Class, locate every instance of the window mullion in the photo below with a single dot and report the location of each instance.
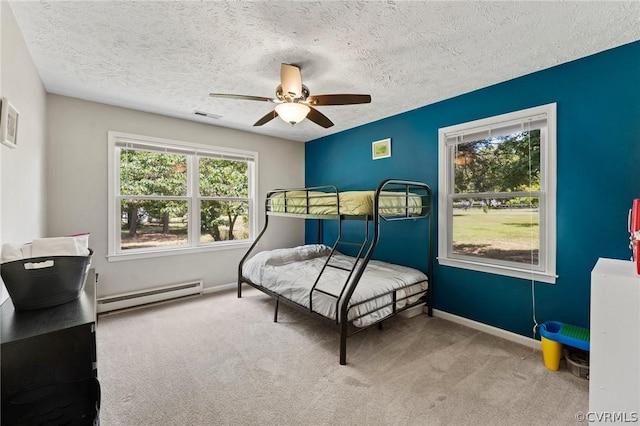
(154, 197)
(116, 234)
(252, 189)
(543, 236)
(210, 198)
(459, 195)
(450, 192)
(194, 201)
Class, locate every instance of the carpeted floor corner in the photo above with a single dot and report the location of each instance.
(220, 360)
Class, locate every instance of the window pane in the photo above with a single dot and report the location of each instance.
(223, 178)
(224, 220)
(507, 163)
(505, 229)
(152, 173)
(149, 224)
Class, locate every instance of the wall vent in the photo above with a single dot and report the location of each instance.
(206, 114)
(145, 297)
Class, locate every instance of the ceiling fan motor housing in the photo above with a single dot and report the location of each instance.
(290, 97)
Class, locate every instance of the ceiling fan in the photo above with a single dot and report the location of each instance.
(294, 100)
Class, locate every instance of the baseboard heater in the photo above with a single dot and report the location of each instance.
(145, 297)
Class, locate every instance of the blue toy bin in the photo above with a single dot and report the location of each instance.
(569, 335)
(550, 329)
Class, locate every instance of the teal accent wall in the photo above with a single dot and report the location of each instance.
(598, 175)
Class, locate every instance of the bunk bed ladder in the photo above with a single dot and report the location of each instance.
(339, 241)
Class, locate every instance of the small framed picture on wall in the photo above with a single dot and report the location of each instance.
(381, 149)
(8, 124)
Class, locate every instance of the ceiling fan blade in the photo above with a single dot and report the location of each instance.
(291, 80)
(338, 99)
(319, 118)
(267, 118)
(242, 97)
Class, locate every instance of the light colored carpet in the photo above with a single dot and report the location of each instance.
(219, 360)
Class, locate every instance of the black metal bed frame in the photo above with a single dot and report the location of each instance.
(343, 308)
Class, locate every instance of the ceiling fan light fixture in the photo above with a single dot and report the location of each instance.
(294, 102)
(292, 112)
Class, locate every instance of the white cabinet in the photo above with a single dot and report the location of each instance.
(614, 362)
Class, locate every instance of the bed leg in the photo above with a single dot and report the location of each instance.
(429, 311)
(275, 314)
(380, 325)
(239, 290)
(343, 345)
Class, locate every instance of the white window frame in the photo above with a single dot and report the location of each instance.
(115, 253)
(546, 271)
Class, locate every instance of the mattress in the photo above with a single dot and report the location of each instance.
(352, 203)
(291, 273)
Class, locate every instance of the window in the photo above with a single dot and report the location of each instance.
(168, 196)
(497, 185)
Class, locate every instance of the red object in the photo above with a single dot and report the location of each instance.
(634, 227)
(635, 216)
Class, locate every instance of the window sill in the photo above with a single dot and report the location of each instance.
(499, 270)
(134, 255)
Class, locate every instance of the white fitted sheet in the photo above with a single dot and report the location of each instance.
(292, 272)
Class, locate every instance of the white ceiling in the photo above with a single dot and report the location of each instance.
(166, 57)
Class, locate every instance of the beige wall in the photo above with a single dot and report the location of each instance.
(3, 291)
(77, 189)
(22, 170)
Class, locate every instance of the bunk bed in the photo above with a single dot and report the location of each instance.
(353, 292)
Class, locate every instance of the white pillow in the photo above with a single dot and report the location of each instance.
(297, 254)
(253, 269)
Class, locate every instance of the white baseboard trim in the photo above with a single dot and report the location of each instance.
(207, 290)
(218, 288)
(149, 296)
(495, 331)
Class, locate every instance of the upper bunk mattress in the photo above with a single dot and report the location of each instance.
(352, 203)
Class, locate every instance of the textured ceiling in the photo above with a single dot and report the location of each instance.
(166, 57)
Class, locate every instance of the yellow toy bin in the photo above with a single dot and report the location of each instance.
(551, 353)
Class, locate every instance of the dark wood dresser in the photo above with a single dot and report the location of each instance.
(48, 357)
